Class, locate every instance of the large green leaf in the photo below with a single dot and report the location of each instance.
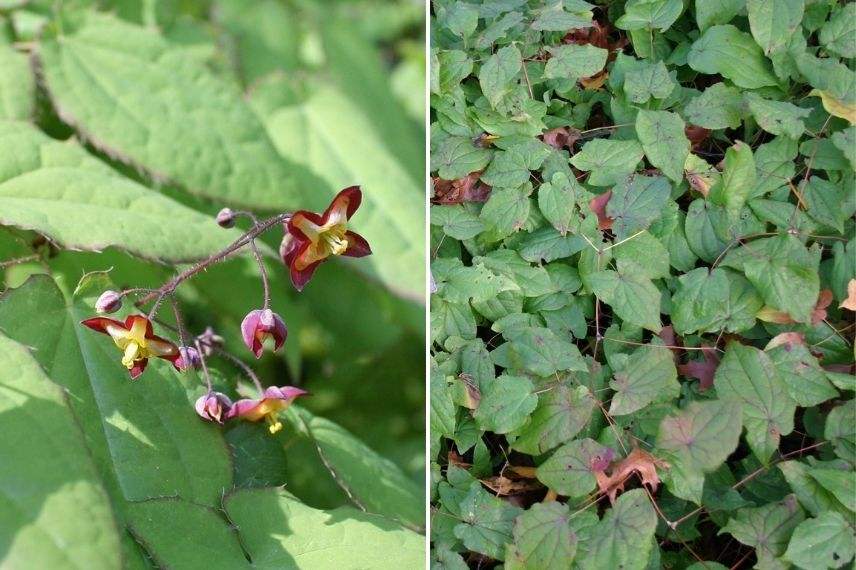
(719, 106)
(698, 440)
(805, 379)
(733, 54)
(543, 538)
(826, 541)
(647, 375)
(702, 435)
(662, 136)
(748, 376)
(62, 192)
(372, 482)
(773, 21)
(133, 95)
(632, 296)
(709, 301)
(623, 538)
(498, 73)
(506, 404)
(609, 161)
(321, 134)
(768, 528)
(487, 522)
(17, 86)
(562, 412)
(280, 532)
(784, 271)
(575, 61)
(570, 470)
(268, 528)
(538, 350)
(144, 436)
(55, 513)
(636, 202)
(738, 179)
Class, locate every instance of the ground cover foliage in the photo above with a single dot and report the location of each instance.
(125, 127)
(643, 284)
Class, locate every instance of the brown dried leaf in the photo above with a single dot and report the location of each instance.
(596, 81)
(467, 189)
(501, 485)
(637, 461)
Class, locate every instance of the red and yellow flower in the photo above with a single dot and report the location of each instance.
(137, 341)
(274, 400)
(312, 238)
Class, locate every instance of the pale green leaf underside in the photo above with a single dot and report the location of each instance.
(62, 192)
(370, 480)
(54, 512)
(275, 530)
(137, 97)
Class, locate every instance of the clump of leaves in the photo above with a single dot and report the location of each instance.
(179, 167)
(643, 265)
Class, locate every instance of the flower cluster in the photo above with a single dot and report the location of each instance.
(309, 240)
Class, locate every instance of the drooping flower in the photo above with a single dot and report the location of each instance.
(262, 324)
(213, 407)
(274, 400)
(188, 357)
(108, 302)
(136, 339)
(312, 238)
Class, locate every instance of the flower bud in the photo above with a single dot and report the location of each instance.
(261, 324)
(209, 340)
(226, 218)
(108, 302)
(188, 357)
(213, 407)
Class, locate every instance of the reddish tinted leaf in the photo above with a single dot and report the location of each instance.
(598, 206)
(703, 371)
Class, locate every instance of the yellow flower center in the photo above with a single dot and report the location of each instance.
(133, 343)
(274, 425)
(334, 240)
